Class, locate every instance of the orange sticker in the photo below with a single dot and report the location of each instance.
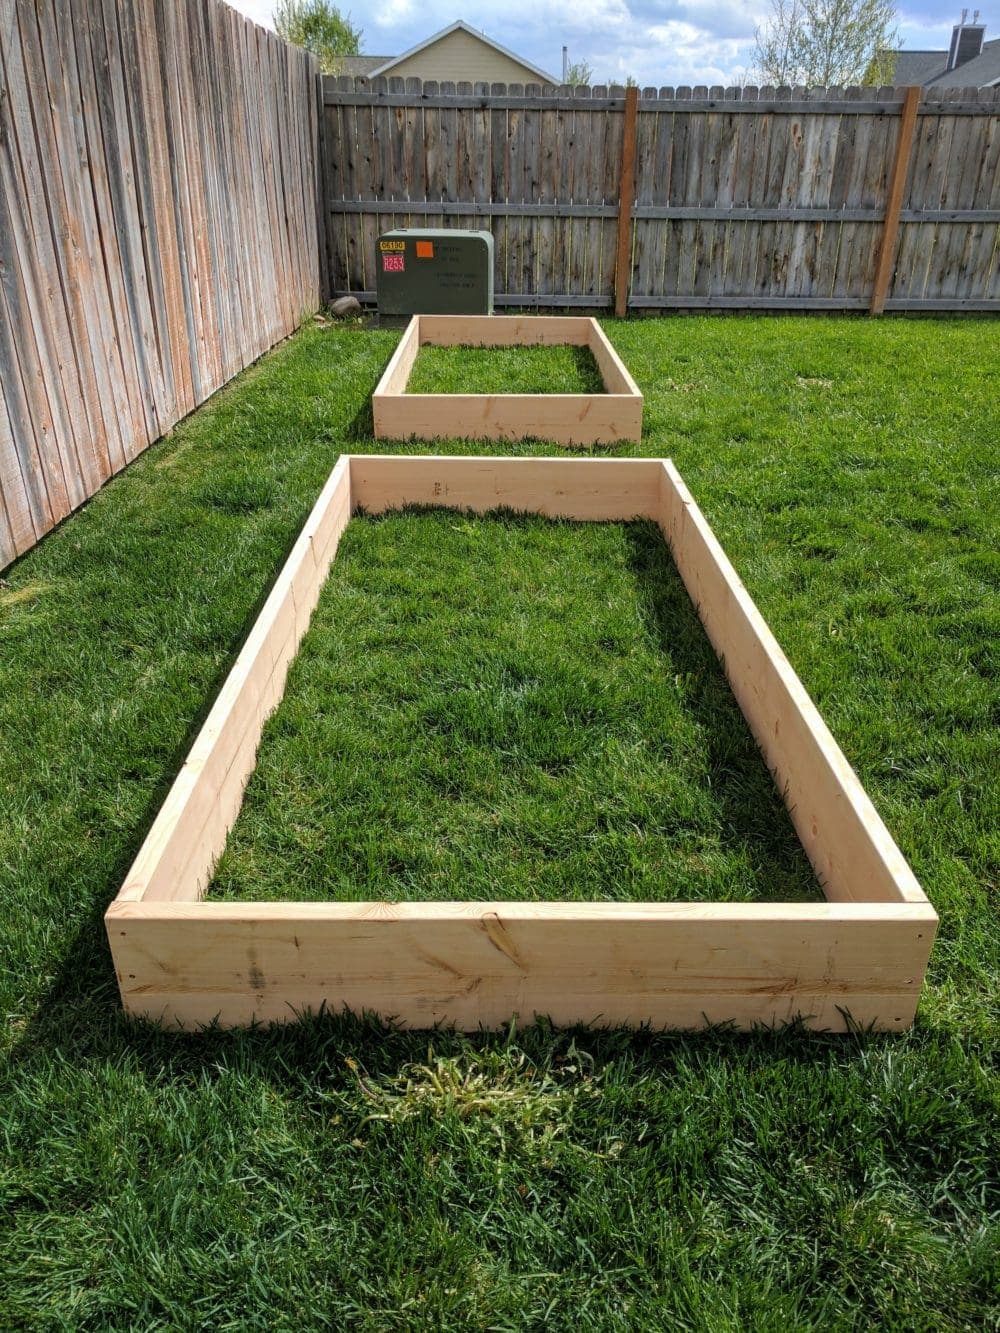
(425, 249)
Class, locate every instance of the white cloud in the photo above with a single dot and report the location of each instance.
(392, 13)
(655, 41)
(258, 10)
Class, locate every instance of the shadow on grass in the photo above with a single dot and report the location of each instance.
(751, 812)
(80, 1021)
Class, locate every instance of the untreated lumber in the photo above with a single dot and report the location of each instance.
(855, 960)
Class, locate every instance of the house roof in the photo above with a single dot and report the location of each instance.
(982, 72)
(930, 68)
(918, 66)
(360, 66)
(462, 26)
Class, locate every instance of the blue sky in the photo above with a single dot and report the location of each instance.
(665, 42)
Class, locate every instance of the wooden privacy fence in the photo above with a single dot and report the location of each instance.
(853, 198)
(158, 230)
(178, 187)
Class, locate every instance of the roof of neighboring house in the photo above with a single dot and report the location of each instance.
(360, 66)
(918, 66)
(982, 72)
(460, 26)
(930, 68)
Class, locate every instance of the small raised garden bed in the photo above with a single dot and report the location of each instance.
(611, 416)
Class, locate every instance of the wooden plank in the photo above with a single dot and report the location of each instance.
(334, 183)
(72, 395)
(472, 964)
(465, 174)
(959, 182)
(566, 193)
(829, 190)
(890, 229)
(771, 100)
(647, 129)
(850, 848)
(244, 221)
(481, 153)
(71, 217)
(547, 192)
(31, 458)
(566, 300)
(583, 133)
(208, 374)
(504, 330)
(724, 177)
(854, 240)
(41, 348)
(560, 418)
(604, 130)
(430, 166)
(678, 213)
(626, 194)
(687, 174)
(179, 854)
(499, 188)
(515, 186)
(981, 265)
(751, 156)
(17, 528)
(530, 165)
(196, 327)
(609, 363)
(671, 171)
(397, 372)
(578, 488)
(117, 131)
(707, 191)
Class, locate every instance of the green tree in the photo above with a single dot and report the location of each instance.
(822, 43)
(579, 73)
(319, 26)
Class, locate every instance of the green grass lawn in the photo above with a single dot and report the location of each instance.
(558, 369)
(338, 1174)
(509, 708)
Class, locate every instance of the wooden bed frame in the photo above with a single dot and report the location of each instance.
(856, 959)
(579, 419)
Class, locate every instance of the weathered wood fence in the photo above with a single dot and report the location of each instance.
(178, 187)
(816, 199)
(158, 230)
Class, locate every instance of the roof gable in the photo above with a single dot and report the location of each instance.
(461, 26)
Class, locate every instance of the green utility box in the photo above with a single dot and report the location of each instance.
(435, 272)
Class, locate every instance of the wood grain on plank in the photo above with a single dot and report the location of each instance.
(674, 965)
